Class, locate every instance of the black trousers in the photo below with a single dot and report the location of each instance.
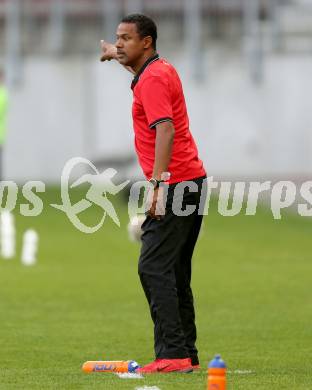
(165, 268)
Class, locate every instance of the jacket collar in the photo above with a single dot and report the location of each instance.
(146, 64)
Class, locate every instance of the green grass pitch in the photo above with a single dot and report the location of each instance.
(83, 301)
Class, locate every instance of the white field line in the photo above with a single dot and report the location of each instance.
(128, 375)
(240, 372)
(147, 388)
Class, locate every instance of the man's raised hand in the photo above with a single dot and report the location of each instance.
(109, 51)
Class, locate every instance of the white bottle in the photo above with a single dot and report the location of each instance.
(30, 247)
(7, 234)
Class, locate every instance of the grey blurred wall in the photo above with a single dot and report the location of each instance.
(80, 107)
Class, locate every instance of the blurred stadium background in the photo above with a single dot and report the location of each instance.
(245, 66)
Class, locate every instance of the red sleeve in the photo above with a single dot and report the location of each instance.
(156, 100)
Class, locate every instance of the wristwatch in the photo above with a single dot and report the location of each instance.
(165, 176)
(155, 182)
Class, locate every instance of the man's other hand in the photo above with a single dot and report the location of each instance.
(157, 203)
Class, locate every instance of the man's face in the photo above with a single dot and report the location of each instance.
(130, 46)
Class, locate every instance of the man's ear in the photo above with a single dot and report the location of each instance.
(148, 42)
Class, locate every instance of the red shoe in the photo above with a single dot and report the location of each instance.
(167, 365)
(196, 367)
(148, 366)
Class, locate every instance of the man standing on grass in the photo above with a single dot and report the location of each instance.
(166, 152)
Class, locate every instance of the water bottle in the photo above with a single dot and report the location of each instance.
(7, 235)
(120, 366)
(216, 374)
(30, 247)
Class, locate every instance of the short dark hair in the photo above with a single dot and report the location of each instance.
(145, 26)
